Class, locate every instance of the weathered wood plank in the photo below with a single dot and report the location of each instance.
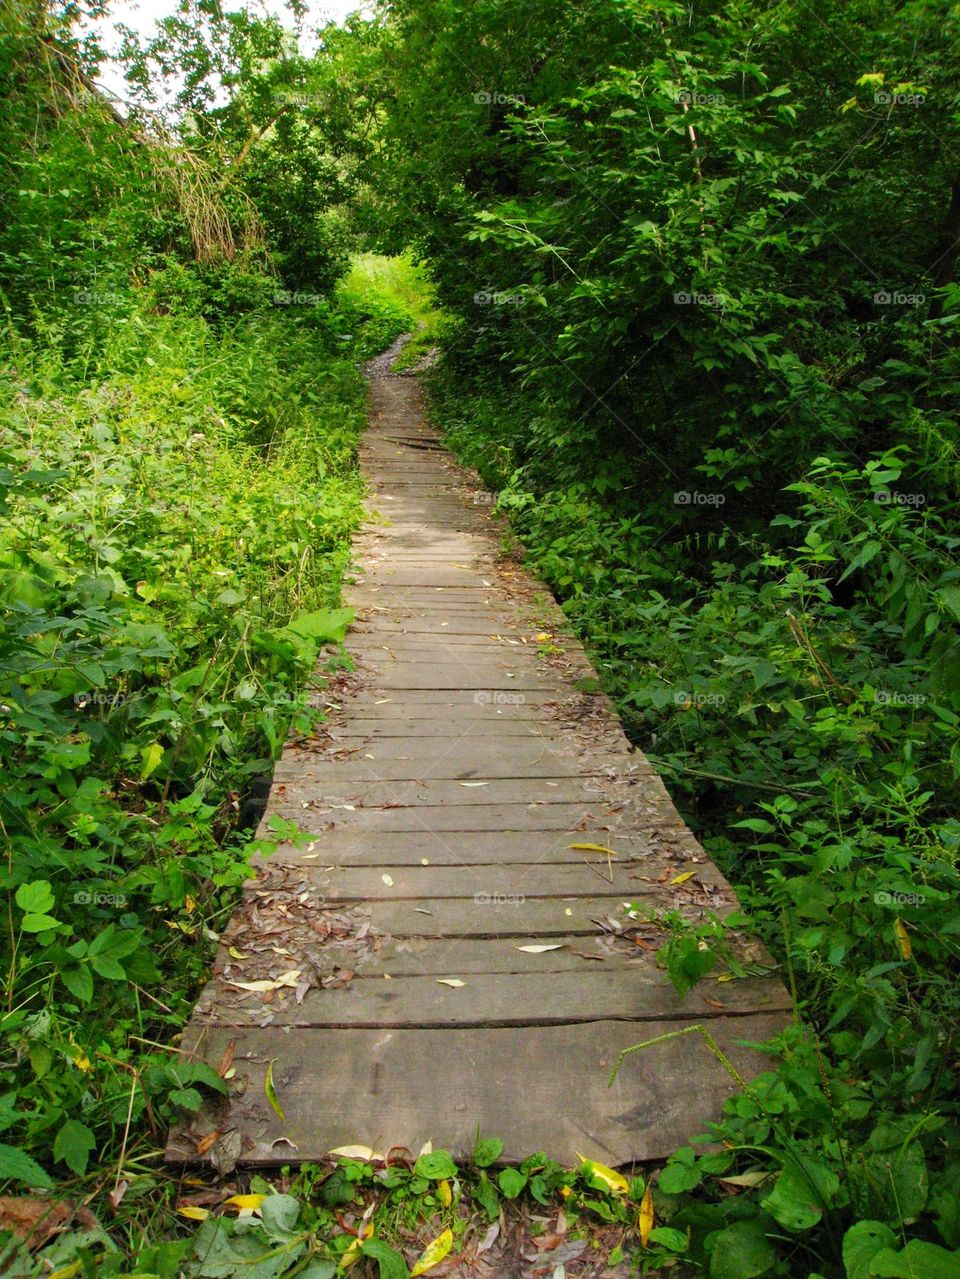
(545, 1088)
(505, 999)
(592, 875)
(411, 848)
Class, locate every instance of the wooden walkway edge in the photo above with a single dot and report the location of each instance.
(439, 959)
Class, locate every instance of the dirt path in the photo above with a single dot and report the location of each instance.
(439, 959)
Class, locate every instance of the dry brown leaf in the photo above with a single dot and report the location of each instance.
(226, 1061)
(204, 1144)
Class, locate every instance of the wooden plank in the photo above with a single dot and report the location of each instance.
(379, 698)
(433, 883)
(534, 919)
(467, 677)
(545, 1088)
(386, 795)
(411, 848)
(590, 821)
(503, 999)
(425, 765)
(407, 733)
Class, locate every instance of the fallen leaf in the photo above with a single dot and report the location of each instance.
(271, 1092)
(34, 1219)
(538, 950)
(433, 1254)
(645, 1219)
(489, 1239)
(285, 979)
(194, 1213)
(593, 848)
(388, 880)
(116, 1195)
(444, 1193)
(450, 981)
(473, 783)
(682, 879)
(226, 1061)
(244, 1202)
(236, 954)
(613, 1181)
(354, 1152)
(204, 1144)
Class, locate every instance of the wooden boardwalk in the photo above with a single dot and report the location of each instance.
(439, 959)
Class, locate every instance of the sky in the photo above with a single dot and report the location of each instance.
(142, 14)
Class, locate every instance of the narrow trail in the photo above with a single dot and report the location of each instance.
(439, 959)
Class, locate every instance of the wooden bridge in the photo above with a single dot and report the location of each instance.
(447, 955)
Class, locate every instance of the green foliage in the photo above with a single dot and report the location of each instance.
(717, 401)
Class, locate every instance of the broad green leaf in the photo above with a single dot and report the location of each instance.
(742, 1251)
(436, 1166)
(511, 1182)
(17, 1166)
(35, 898)
(861, 1244)
(73, 1145)
(151, 756)
(487, 1151)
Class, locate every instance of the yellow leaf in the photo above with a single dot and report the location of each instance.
(433, 1254)
(613, 1181)
(445, 1194)
(236, 954)
(189, 904)
(645, 1220)
(593, 848)
(354, 1152)
(903, 941)
(272, 1097)
(194, 1213)
(244, 1201)
(539, 950)
(79, 1057)
(285, 979)
(682, 879)
(450, 981)
(351, 1256)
